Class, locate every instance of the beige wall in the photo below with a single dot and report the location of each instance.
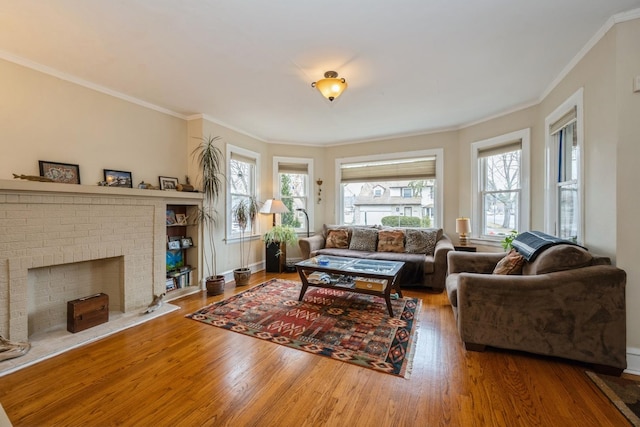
(46, 118)
(628, 152)
(596, 74)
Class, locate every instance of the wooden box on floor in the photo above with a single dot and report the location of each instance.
(87, 312)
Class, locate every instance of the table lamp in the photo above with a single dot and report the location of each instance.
(463, 228)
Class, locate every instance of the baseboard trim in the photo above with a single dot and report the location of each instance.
(633, 361)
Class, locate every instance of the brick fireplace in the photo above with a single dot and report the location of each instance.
(59, 242)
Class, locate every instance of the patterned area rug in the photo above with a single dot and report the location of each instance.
(622, 392)
(335, 323)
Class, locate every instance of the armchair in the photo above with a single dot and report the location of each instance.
(567, 303)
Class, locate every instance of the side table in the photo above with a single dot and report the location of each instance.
(465, 248)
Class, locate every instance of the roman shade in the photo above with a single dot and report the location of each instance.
(423, 168)
(293, 168)
(568, 118)
(500, 149)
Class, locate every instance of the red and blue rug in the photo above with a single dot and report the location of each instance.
(335, 323)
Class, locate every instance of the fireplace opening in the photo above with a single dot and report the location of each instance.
(49, 288)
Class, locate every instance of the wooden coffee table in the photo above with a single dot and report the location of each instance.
(364, 276)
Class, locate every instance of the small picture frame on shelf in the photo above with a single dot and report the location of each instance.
(171, 217)
(186, 242)
(181, 219)
(168, 183)
(173, 245)
(115, 178)
(60, 172)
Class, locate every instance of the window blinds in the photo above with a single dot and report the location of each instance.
(294, 168)
(500, 149)
(423, 168)
(569, 117)
(240, 158)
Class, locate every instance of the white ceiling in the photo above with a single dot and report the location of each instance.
(413, 66)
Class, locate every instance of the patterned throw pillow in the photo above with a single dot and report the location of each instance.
(338, 239)
(391, 241)
(364, 239)
(421, 241)
(510, 264)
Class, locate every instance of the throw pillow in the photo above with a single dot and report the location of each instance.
(364, 239)
(338, 239)
(421, 241)
(510, 264)
(391, 241)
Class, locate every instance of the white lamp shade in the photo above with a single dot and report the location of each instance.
(273, 206)
(463, 225)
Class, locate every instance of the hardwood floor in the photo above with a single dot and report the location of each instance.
(173, 371)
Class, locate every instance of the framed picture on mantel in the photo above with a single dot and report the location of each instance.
(168, 183)
(115, 178)
(60, 172)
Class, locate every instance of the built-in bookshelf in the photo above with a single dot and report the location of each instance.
(182, 255)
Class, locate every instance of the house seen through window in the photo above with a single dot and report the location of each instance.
(397, 192)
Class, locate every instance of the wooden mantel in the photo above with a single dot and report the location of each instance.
(23, 186)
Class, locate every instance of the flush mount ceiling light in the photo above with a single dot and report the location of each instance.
(331, 86)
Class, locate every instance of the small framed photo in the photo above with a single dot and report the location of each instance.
(181, 219)
(168, 183)
(60, 172)
(115, 178)
(186, 242)
(173, 245)
(171, 217)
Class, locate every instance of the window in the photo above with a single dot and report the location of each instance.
(292, 176)
(563, 216)
(242, 170)
(385, 189)
(500, 182)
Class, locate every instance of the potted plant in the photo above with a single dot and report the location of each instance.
(276, 241)
(211, 163)
(244, 214)
(508, 240)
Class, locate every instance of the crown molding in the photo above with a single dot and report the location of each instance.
(84, 83)
(615, 19)
(221, 123)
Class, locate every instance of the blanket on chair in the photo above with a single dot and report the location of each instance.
(530, 243)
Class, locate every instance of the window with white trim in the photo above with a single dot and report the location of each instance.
(386, 189)
(500, 184)
(563, 216)
(242, 173)
(293, 186)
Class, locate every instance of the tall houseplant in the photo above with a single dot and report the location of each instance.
(244, 214)
(211, 162)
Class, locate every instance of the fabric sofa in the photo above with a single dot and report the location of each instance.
(423, 250)
(565, 303)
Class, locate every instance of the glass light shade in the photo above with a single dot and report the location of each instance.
(331, 86)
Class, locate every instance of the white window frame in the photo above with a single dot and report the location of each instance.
(551, 162)
(308, 190)
(439, 188)
(524, 135)
(230, 235)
